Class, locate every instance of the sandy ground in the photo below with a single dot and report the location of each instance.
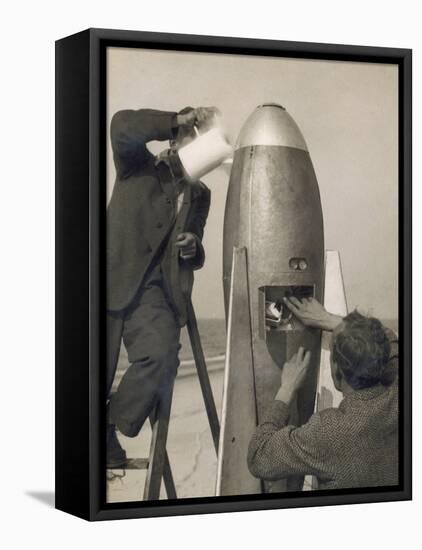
(190, 447)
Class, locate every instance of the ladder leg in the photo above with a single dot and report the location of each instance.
(157, 456)
(203, 374)
(168, 478)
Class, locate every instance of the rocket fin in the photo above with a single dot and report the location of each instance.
(334, 302)
(239, 416)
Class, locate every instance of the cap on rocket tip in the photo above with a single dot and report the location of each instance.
(270, 124)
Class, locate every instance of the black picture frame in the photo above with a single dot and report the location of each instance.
(80, 284)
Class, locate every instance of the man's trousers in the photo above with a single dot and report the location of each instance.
(150, 333)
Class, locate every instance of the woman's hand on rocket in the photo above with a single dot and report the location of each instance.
(312, 314)
(293, 374)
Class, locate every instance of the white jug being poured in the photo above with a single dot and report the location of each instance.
(204, 153)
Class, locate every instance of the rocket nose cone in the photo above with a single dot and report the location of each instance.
(271, 124)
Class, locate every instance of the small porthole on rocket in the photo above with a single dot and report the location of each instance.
(298, 264)
(294, 263)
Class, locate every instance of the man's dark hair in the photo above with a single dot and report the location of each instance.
(362, 351)
(185, 110)
(185, 132)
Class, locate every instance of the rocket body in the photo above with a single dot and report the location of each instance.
(273, 210)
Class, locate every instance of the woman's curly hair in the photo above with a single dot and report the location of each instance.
(362, 351)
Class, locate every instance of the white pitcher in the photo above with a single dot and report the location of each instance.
(204, 153)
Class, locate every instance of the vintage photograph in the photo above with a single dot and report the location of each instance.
(252, 275)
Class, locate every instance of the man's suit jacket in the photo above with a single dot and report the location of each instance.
(142, 220)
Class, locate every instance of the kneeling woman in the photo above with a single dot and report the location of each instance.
(354, 445)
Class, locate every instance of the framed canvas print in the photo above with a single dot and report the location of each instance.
(233, 274)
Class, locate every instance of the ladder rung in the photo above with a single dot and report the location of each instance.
(137, 464)
(134, 464)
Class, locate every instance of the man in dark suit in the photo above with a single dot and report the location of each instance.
(155, 224)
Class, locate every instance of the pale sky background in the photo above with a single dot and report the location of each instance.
(348, 115)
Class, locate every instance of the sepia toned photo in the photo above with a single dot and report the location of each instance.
(252, 275)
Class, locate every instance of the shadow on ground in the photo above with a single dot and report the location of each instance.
(45, 497)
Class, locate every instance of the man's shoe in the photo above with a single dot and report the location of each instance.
(116, 455)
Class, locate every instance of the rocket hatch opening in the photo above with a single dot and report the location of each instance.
(275, 316)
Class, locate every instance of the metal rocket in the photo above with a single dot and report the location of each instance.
(273, 247)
